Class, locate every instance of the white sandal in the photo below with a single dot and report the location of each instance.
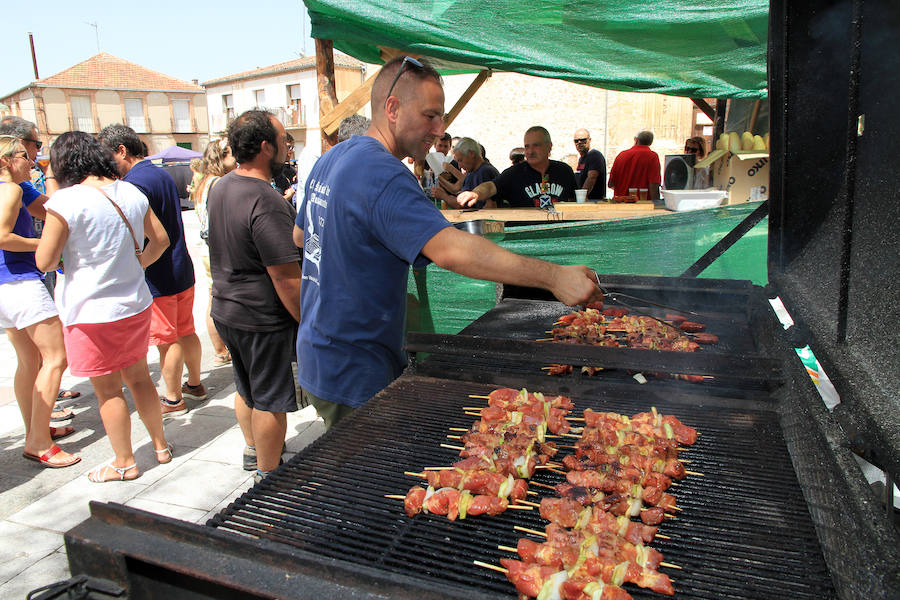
(96, 475)
(160, 454)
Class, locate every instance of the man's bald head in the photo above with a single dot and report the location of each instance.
(405, 85)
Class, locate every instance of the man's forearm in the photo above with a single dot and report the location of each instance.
(590, 181)
(288, 291)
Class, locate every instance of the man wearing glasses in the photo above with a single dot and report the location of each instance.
(363, 222)
(590, 174)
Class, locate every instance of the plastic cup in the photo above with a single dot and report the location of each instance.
(643, 194)
(580, 196)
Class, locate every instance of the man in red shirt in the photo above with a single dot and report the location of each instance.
(637, 167)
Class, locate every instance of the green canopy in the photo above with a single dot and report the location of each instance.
(698, 49)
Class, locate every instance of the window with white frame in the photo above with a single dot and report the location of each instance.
(259, 96)
(181, 112)
(228, 105)
(82, 119)
(134, 114)
(294, 107)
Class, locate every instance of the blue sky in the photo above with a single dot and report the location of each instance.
(188, 40)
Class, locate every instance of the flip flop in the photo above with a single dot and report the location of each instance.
(64, 414)
(44, 458)
(58, 433)
(68, 395)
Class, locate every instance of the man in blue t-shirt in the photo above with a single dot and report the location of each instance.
(364, 220)
(170, 278)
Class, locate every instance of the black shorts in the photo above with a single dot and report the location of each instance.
(261, 361)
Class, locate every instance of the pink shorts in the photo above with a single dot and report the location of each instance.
(95, 349)
(173, 317)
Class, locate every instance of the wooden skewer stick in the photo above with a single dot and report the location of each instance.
(508, 549)
(686, 461)
(451, 447)
(517, 507)
(571, 435)
(574, 418)
(527, 503)
(473, 408)
(552, 470)
(479, 397)
(463, 429)
(670, 565)
(472, 414)
(414, 474)
(546, 368)
(543, 485)
(695, 473)
(530, 493)
(544, 340)
(395, 496)
(531, 531)
(490, 566)
(454, 437)
(665, 537)
(438, 468)
(675, 508)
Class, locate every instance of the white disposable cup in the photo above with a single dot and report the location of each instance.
(580, 196)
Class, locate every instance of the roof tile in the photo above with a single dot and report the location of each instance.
(105, 71)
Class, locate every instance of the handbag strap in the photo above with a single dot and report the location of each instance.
(137, 248)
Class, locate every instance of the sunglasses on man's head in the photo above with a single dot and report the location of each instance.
(407, 60)
(37, 143)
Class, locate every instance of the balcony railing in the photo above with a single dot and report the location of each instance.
(183, 126)
(139, 124)
(85, 124)
(291, 118)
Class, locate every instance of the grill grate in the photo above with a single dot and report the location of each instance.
(745, 531)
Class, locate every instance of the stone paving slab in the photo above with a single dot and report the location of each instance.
(38, 505)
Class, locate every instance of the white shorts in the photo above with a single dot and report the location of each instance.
(24, 303)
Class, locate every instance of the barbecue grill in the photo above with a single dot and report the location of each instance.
(782, 510)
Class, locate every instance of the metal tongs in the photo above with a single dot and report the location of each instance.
(617, 297)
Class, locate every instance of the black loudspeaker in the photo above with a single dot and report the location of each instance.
(679, 172)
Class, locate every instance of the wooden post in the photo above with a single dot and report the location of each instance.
(467, 95)
(753, 115)
(327, 91)
(704, 106)
(719, 129)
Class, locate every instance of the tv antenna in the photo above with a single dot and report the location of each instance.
(96, 32)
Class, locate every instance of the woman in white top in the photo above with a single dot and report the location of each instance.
(98, 225)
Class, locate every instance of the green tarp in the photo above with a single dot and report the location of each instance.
(444, 302)
(698, 48)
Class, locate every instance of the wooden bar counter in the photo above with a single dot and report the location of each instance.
(566, 211)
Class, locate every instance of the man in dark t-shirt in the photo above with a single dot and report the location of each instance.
(590, 174)
(538, 182)
(256, 285)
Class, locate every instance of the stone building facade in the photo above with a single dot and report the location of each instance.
(106, 89)
(509, 103)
